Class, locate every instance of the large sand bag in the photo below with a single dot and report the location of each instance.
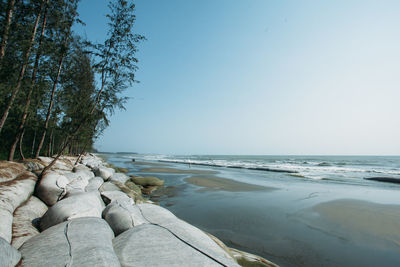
(26, 218)
(9, 256)
(52, 187)
(12, 194)
(186, 232)
(79, 242)
(122, 215)
(119, 177)
(156, 246)
(88, 204)
(94, 184)
(104, 172)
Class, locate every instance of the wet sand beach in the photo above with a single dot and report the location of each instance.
(180, 171)
(290, 220)
(218, 183)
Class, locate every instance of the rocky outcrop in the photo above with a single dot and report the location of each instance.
(9, 256)
(87, 204)
(26, 221)
(79, 242)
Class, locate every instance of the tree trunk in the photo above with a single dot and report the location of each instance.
(32, 86)
(22, 71)
(50, 141)
(33, 143)
(9, 15)
(20, 145)
(46, 124)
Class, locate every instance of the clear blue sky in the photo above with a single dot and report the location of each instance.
(260, 77)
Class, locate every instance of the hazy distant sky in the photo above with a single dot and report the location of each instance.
(260, 77)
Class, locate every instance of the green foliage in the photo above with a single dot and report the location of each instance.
(93, 76)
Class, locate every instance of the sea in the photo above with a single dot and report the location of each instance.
(291, 224)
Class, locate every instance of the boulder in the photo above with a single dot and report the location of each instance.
(88, 204)
(148, 181)
(110, 196)
(26, 220)
(9, 256)
(12, 194)
(119, 177)
(94, 184)
(122, 215)
(156, 246)
(104, 172)
(79, 242)
(52, 187)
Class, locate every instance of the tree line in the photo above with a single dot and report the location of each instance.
(58, 89)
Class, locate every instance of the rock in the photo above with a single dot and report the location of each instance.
(122, 215)
(52, 187)
(156, 246)
(9, 256)
(147, 181)
(88, 204)
(104, 172)
(79, 242)
(25, 222)
(110, 196)
(186, 232)
(119, 177)
(12, 194)
(94, 184)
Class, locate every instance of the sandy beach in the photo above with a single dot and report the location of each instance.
(218, 183)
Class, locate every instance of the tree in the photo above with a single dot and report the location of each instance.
(115, 63)
(9, 15)
(66, 25)
(15, 90)
(21, 129)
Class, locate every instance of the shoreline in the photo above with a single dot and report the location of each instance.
(105, 198)
(300, 223)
